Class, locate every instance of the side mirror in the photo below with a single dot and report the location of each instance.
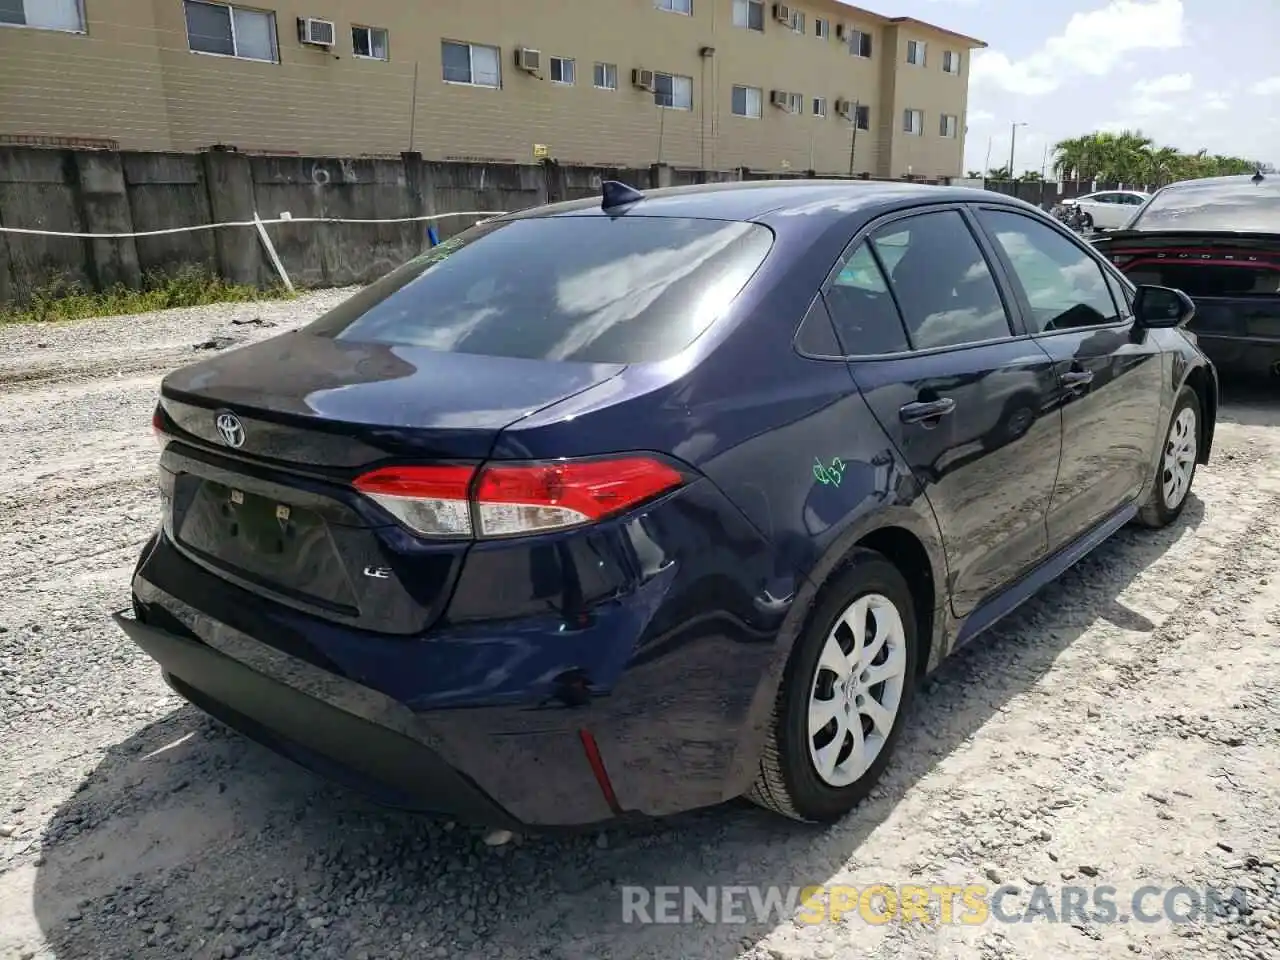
(1155, 307)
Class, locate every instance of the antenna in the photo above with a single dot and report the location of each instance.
(617, 194)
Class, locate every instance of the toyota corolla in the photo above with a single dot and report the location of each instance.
(633, 505)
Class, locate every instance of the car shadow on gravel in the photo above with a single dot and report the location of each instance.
(188, 840)
(1249, 401)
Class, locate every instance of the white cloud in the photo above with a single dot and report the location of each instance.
(1265, 87)
(1170, 83)
(1151, 97)
(1092, 43)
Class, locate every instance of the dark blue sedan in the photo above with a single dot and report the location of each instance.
(638, 504)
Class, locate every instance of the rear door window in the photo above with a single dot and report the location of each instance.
(591, 289)
(941, 280)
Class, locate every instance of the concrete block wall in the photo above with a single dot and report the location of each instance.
(103, 191)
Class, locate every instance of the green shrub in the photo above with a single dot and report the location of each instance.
(188, 287)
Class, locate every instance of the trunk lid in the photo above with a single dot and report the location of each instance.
(1234, 278)
(276, 514)
(339, 404)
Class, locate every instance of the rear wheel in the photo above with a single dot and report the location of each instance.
(1176, 468)
(847, 685)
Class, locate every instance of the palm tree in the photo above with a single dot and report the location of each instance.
(1130, 156)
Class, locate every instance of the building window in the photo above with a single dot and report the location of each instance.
(231, 31)
(747, 101)
(795, 103)
(749, 14)
(606, 76)
(369, 42)
(860, 43)
(947, 125)
(470, 63)
(863, 118)
(915, 52)
(673, 91)
(951, 62)
(797, 21)
(821, 28)
(562, 70)
(43, 14)
(913, 122)
(819, 106)
(675, 6)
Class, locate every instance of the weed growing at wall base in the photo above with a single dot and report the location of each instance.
(190, 287)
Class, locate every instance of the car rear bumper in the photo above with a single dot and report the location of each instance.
(484, 721)
(346, 748)
(1250, 355)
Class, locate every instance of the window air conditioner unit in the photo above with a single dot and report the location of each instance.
(782, 13)
(642, 79)
(780, 98)
(529, 60)
(844, 108)
(842, 32)
(317, 33)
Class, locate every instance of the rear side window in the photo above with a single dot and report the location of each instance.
(942, 281)
(592, 289)
(1227, 203)
(862, 309)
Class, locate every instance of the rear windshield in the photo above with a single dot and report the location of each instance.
(1233, 203)
(595, 289)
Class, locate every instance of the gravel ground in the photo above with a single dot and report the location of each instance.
(1123, 729)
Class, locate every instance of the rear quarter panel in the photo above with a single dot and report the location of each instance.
(787, 439)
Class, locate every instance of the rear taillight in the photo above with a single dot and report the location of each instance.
(431, 501)
(157, 426)
(509, 499)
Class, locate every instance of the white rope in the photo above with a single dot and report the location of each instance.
(240, 223)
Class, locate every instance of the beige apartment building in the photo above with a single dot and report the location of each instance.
(712, 84)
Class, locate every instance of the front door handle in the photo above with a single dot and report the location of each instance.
(1077, 378)
(923, 410)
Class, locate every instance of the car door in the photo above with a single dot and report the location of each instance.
(1109, 376)
(1105, 210)
(967, 404)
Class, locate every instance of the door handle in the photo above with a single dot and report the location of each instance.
(1077, 378)
(926, 410)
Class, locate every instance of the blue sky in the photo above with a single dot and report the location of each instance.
(1188, 73)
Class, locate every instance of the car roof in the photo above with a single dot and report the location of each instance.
(765, 200)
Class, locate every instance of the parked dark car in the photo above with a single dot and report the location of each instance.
(1217, 240)
(638, 505)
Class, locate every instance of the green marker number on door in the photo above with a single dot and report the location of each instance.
(828, 474)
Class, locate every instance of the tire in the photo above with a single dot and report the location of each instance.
(1176, 465)
(789, 781)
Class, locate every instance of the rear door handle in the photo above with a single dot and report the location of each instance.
(926, 410)
(1077, 378)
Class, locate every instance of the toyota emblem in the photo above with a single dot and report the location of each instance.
(230, 429)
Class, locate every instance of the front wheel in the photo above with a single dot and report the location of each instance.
(847, 685)
(1176, 468)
